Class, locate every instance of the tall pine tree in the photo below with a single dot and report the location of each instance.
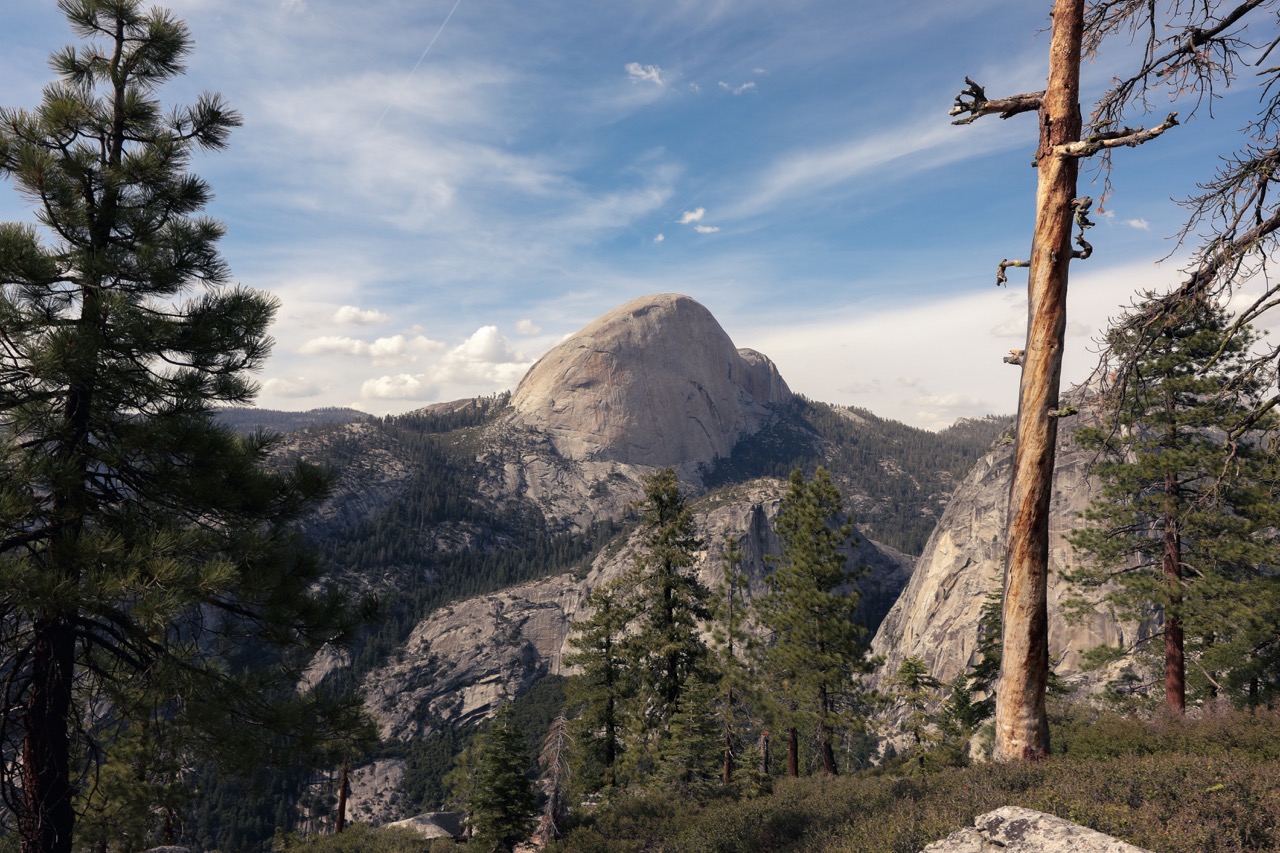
(597, 693)
(131, 527)
(666, 603)
(1188, 511)
(492, 780)
(816, 649)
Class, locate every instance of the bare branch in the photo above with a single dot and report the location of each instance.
(1127, 137)
(1186, 48)
(1001, 278)
(973, 100)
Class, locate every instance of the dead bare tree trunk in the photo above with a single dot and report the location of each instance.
(1022, 729)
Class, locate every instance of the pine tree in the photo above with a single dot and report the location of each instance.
(130, 525)
(816, 649)
(962, 713)
(913, 689)
(604, 683)
(732, 644)
(1187, 514)
(499, 794)
(666, 603)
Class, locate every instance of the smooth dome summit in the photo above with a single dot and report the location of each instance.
(653, 382)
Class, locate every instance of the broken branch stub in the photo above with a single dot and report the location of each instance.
(973, 100)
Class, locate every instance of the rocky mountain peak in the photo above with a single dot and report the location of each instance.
(653, 382)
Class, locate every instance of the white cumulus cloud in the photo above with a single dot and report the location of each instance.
(485, 357)
(659, 238)
(402, 386)
(386, 350)
(1139, 224)
(399, 347)
(291, 387)
(333, 344)
(351, 315)
(694, 215)
(644, 73)
(527, 327)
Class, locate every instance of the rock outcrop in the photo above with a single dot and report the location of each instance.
(464, 660)
(655, 382)
(1012, 829)
(936, 617)
(434, 824)
(375, 795)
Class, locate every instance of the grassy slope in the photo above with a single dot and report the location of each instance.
(1208, 786)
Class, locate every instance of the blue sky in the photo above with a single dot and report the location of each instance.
(433, 220)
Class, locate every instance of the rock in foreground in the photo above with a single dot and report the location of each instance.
(1017, 830)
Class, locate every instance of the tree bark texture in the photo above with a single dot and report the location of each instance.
(1022, 730)
(47, 817)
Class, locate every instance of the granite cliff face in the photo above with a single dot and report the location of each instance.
(937, 615)
(654, 382)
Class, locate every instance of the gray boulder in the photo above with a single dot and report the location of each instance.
(1012, 829)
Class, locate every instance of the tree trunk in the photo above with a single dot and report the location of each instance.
(47, 817)
(824, 735)
(610, 739)
(764, 754)
(1022, 730)
(344, 788)
(1175, 667)
(793, 753)
(828, 754)
(726, 775)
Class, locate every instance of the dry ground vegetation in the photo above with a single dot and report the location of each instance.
(1209, 783)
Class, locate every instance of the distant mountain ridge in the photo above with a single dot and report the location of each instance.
(248, 419)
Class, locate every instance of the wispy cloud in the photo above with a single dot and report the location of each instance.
(645, 73)
(893, 152)
(527, 327)
(1138, 224)
(738, 90)
(706, 229)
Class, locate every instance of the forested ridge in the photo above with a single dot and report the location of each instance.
(896, 478)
